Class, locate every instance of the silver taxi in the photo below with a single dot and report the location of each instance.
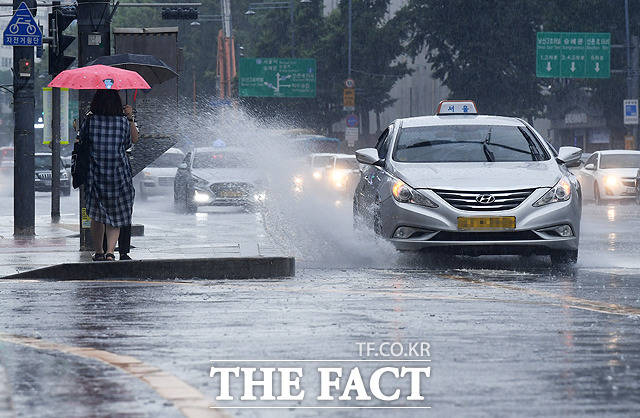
(470, 184)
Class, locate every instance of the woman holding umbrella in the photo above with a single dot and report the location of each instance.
(109, 191)
(109, 130)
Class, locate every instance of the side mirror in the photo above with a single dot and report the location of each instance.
(368, 156)
(590, 167)
(569, 156)
(182, 166)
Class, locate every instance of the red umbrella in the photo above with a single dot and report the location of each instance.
(99, 77)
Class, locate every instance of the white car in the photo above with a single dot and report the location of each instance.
(610, 175)
(157, 178)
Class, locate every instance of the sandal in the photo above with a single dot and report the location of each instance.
(98, 257)
(109, 257)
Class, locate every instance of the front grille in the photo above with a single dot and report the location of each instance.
(629, 182)
(231, 190)
(44, 176)
(504, 200)
(485, 236)
(165, 181)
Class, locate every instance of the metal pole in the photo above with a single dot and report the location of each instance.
(293, 29)
(349, 43)
(94, 41)
(23, 140)
(635, 59)
(55, 155)
(193, 69)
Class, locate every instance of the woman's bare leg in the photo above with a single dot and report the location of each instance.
(112, 238)
(97, 233)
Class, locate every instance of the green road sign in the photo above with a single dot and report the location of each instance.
(277, 77)
(573, 55)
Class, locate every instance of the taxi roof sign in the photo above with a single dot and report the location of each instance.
(457, 107)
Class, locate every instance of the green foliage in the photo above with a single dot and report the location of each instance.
(485, 50)
(482, 50)
(376, 45)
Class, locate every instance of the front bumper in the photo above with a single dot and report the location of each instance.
(207, 198)
(441, 227)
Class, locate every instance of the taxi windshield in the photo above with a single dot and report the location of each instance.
(467, 143)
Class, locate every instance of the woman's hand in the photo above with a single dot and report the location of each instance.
(128, 111)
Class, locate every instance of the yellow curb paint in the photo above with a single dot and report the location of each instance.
(187, 399)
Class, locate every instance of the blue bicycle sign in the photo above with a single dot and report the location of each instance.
(22, 29)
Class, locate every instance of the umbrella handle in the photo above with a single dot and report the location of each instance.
(134, 96)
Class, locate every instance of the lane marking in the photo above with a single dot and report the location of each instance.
(186, 398)
(571, 301)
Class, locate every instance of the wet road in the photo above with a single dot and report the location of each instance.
(508, 336)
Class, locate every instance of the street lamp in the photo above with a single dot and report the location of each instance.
(279, 5)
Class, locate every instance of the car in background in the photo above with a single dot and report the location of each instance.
(157, 178)
(610, 175)
(6, 160)
(344, 174)
(470, 184)
(218, 176)
(42, 179)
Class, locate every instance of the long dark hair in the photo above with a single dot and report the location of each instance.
(106, 103)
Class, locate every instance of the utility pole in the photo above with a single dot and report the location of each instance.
(94, 40)
(55, 129)
(23, 136)
(349, 42)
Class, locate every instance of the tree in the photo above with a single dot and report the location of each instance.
(376, 45)
(480, 50)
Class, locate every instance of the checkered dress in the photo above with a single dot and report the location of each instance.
(109, 188)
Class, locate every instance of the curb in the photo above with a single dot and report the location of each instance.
(167, 269)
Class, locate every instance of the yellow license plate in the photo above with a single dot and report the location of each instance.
(486, 223)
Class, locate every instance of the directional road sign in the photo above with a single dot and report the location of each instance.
(573, 55)
(277, 77)
(22, 29)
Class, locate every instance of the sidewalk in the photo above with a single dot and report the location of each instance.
(167, 236)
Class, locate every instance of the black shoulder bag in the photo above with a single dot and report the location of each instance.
(80, 156)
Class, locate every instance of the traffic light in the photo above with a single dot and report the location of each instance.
(25, 66)
(59, 20)
(182, 13)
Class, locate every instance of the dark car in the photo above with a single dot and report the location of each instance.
(218, 177)
(42, 165)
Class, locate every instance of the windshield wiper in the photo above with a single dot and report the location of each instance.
(485, 147)
(535, 154)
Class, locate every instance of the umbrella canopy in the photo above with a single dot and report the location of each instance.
(99, 77)
(153, 70)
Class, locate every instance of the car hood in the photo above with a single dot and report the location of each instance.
(620, 172)
(484, 176)
(228, 175)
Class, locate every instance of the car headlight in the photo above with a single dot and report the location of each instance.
(561, 192)
(317, 175)
(404, 194)
(201, 197)
(611, 181)
(63, 175)
(298, 180)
